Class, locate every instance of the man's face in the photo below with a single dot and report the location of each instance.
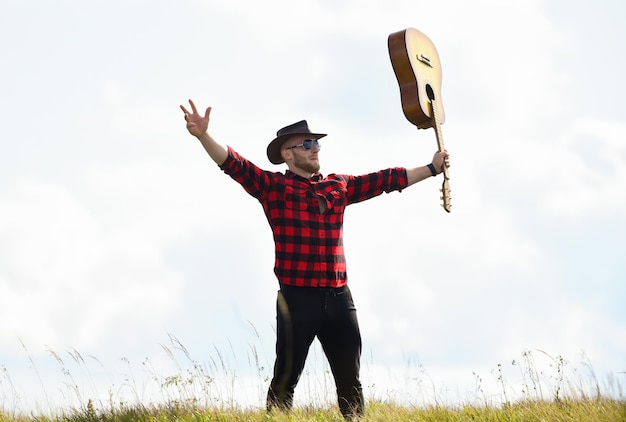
(303, 159)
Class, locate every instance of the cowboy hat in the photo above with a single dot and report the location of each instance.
(298, 128)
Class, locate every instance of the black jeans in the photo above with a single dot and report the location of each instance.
(302, 313)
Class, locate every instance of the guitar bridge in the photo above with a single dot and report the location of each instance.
(422, 58)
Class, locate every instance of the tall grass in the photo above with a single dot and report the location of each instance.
(189, 390)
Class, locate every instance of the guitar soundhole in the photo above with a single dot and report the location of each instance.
(429, 92)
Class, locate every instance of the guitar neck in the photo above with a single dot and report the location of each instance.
(445, 186)
(438, 132)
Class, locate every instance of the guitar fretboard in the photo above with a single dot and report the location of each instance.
(445, 187)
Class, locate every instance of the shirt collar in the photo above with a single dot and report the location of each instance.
(315, 178)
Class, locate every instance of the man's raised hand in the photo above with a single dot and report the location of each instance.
(196, 123)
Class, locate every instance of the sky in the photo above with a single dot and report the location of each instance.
(127, 257)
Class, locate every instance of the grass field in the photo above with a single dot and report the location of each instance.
(192, 393)
(598, 409)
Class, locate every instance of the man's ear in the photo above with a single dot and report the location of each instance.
(285, 153)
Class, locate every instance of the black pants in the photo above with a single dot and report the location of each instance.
(302, 313)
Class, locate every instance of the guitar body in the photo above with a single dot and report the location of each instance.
(417, 67)
(412, 53)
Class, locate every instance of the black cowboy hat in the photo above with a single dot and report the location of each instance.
(299, 128)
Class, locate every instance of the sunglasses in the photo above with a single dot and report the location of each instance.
(307, 144)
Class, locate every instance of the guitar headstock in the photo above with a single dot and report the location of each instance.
(445, 195)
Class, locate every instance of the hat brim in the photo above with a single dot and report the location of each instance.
(274, 147)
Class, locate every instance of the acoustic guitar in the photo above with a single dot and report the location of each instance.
(416, 64)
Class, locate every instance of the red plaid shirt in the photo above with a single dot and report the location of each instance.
(309, 242)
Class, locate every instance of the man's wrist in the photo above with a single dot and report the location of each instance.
(432, 169)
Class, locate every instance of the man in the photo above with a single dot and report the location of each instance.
(305, 211)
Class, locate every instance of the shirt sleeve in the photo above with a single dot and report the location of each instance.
(253, 179)
(370, 185)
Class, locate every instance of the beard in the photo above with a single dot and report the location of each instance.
(304, 164)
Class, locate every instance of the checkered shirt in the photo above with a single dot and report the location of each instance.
(309, 242)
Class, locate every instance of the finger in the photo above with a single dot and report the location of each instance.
(184, 110)
(193, 107)
(207, 113)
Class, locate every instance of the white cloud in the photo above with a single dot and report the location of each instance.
(67, 278)
(593, 179)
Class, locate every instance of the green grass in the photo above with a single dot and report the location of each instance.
(528, 411)
(560, 393)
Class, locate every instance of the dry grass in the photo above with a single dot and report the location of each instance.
(190, 393)
(605, 410)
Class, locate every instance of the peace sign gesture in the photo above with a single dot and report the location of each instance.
(197, 125)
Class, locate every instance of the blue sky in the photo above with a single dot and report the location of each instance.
(117, 231)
